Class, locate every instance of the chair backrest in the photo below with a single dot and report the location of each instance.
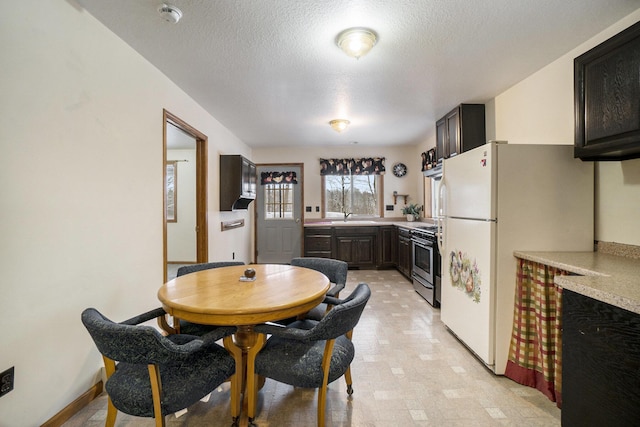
(186, 269)
(343, 317)
(131, 343)
(335, 270)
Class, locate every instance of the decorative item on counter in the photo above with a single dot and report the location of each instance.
(412, 211)
(429, 160)
(249, 275)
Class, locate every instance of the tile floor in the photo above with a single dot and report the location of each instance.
(408, 371)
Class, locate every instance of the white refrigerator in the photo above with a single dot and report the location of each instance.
(496, 199)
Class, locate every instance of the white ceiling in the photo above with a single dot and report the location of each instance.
(270, 71)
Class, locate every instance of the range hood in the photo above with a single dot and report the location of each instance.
(242, 203)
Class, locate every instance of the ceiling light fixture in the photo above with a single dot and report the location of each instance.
(339, 124)
(356, 42)
(170, 13)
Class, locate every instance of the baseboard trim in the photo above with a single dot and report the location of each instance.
(74, 407)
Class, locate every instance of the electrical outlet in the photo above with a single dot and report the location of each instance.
(6, 381)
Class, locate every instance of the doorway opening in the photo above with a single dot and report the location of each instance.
(185, 231)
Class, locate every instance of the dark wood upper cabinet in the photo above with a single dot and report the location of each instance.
(462, 129)
(441, 134)
(237, 182)
(607, 99)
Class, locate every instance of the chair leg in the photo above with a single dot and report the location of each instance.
(322, 393)
(322, 402)
(112, 412)
(347, 378)
(156, 392)
(347, 374)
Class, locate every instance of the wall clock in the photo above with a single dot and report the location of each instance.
(399, 170)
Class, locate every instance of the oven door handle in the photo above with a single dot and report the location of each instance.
(422, 242)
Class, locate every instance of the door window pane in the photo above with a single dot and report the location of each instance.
(278, 201)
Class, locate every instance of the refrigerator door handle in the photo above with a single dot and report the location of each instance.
(442, 201)
(439, 235)
(474, 219)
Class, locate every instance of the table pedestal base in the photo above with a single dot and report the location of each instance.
(245, 344)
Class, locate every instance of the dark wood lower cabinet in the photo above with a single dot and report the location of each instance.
(600, 363)
(318, 242)
(363, 247)
(404, 252)
(357, 251)
(388, 247)
(357, 246)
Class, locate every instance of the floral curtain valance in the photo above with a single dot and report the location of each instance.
(278, 178)
(363, 166)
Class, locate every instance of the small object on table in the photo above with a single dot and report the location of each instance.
(249, 275)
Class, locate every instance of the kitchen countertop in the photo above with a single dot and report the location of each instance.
(357, 223)
(608, 278)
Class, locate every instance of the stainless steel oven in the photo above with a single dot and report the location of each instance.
(426, 264)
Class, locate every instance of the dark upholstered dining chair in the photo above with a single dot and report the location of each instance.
(335, 270)
(152, 375)
(186, 269)
(185, 327)
(309, 353)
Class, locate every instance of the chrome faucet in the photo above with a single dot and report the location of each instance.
(346, 215)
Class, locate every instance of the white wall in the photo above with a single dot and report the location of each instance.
(539, 110)
(81, 139)
(410, 184)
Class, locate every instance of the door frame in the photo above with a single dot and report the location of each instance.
(302, 208)
(202, 231)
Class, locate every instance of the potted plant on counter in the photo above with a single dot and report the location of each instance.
(412, 211)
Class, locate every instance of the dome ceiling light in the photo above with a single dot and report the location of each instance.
(170, 13)
(339, 125)
(356, 42)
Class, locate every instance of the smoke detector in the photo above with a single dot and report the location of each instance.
(170, 13)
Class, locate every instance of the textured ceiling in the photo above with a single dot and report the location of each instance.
(269, 70)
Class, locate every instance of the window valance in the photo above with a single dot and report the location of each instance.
(278, 178)
(363, 166)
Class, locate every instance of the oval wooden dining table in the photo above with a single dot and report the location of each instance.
(219, 297)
